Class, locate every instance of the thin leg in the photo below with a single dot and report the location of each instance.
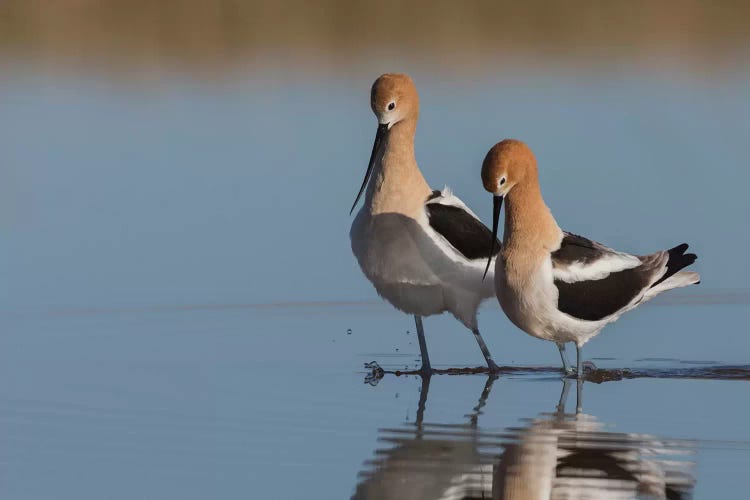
(474, 416)
(579, 382)
(486, 352)
(424, 388)
(426, 367)
(564, 357)
(563, 396)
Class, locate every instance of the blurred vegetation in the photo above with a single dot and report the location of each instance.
(221, 34)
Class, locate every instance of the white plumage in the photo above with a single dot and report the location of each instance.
(415, 268)
(423, 250)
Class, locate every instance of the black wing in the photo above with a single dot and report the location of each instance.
(594, 281)
(593, 300)
(575, 248)
(604, 292)
(462, 230)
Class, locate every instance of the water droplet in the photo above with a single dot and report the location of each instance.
(348, 331)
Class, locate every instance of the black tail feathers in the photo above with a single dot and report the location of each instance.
(677, 261)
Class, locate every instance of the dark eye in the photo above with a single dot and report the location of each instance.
(391, 106)
(502, 181)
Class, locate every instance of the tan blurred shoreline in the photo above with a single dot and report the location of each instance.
(221, 36)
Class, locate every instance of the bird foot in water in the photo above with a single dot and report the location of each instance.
(375, 375)
(589, 366)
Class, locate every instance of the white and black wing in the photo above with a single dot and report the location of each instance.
(450, 218)
(580, 259)
(595, 282)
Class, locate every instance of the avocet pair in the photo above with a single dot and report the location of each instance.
(426, 252)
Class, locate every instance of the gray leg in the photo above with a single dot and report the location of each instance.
(563, 396)
(486, 352)
(579, 385)
(564, 357)
(423, 390)
(474, 416)
(426, 367)
(583, 365)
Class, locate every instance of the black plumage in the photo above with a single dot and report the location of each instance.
(575, 248)
(462, 230)
(593, 300)
(435, 194)
(678, 260)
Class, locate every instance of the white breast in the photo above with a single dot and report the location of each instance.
(415, 269)
(531, 304)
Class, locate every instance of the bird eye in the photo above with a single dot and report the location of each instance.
(391, 106)
(502, 181)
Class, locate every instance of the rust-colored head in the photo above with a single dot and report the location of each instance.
(394, 98)
(507, 163)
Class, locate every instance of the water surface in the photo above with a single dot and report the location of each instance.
(233, 401)
(181, 316)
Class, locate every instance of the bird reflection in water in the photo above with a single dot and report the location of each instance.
(555, 455)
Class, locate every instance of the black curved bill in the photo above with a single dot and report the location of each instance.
(497, 203)
(382, 131)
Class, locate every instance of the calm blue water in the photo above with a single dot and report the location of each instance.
(177, 283)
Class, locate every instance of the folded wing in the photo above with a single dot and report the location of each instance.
(453, 220)
(595, 282)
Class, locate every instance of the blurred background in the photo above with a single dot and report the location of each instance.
(175, 180)
(194, 152)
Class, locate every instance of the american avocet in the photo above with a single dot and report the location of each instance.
(555, 285)
(423, 250)
(566, 455)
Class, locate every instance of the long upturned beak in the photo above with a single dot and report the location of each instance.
(497, 203)
(382, 131)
